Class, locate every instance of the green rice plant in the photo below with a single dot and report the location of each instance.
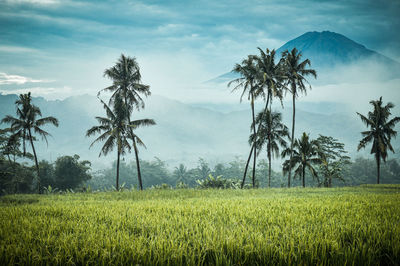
(339, 226)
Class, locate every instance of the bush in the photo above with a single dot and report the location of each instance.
(218, 182)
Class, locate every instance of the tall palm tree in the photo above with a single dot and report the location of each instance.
(268, 85)
(114, 130)
(380, 133)
(272, 133)
(269, 75)
(305, 156)
(247, 82)
(126, 78)
(28, 123)
(295, 72)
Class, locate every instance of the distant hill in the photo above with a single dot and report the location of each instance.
(327, 50)
(183, 132)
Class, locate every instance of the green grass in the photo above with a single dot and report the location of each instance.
(357, 225)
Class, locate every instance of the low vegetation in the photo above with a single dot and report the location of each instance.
(339, 226)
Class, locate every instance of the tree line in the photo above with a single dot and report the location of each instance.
(260, 77)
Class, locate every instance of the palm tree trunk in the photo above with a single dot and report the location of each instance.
(269, 168)
(247, 166)
(378, 168)
(304, 176)
(36, 161)
(255, 139)
(292, 140)
(251, 150)
(134, 147)
(117, 180)
(138, 165)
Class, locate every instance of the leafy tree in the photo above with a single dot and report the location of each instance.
(271, 134)
(247, 82)
(305, 156)
(156, 173)
(380, 133)
(219, 170)
(28, 122)
(362, 171)
(47, 173)
(333, 159)
(295, 72)
(15, 177)
(70, 172)
(203, 169)
(126, 78)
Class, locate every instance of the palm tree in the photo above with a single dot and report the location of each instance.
(115, 130)
(295, 72)
(27, 123)
(126, 78)
(247, 82)
(269, 75)
(272, 133)
(305, 155)
(180, 173)
(381, 131)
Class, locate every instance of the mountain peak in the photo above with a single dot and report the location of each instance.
(327, 49)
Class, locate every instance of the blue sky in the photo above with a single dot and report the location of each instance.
(59, 48)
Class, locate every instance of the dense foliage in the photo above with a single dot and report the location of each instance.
(67, 172)
(355, 226)
(157, 172)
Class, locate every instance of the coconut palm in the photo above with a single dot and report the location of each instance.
(268, 85)
(115, 130)
(272, 133)
(180, 173)
(27, 123)
(269, 75)
(305, 156)
(295, 72)
(126, 78)
(247, 82)
(380, 133)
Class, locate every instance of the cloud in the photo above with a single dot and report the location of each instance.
(34, 2)
(16, 49)
(48, 93)
(6, 79)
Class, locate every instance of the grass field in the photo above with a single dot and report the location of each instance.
(357, 225)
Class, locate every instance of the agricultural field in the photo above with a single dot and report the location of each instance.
(336, 226)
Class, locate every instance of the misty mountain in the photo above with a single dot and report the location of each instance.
(183, 132)
(327, 50)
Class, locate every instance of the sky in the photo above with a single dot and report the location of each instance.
(59, 48)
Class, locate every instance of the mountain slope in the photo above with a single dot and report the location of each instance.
(183, 133)
(328, 50)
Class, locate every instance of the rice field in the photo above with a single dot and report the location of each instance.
(339, 226)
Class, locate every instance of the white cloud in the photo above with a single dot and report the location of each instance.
(6, 79)
(34, 2)
(16, 49)
(48, 93)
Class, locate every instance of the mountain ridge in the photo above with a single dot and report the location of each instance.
(183, 132)
(327, 50)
